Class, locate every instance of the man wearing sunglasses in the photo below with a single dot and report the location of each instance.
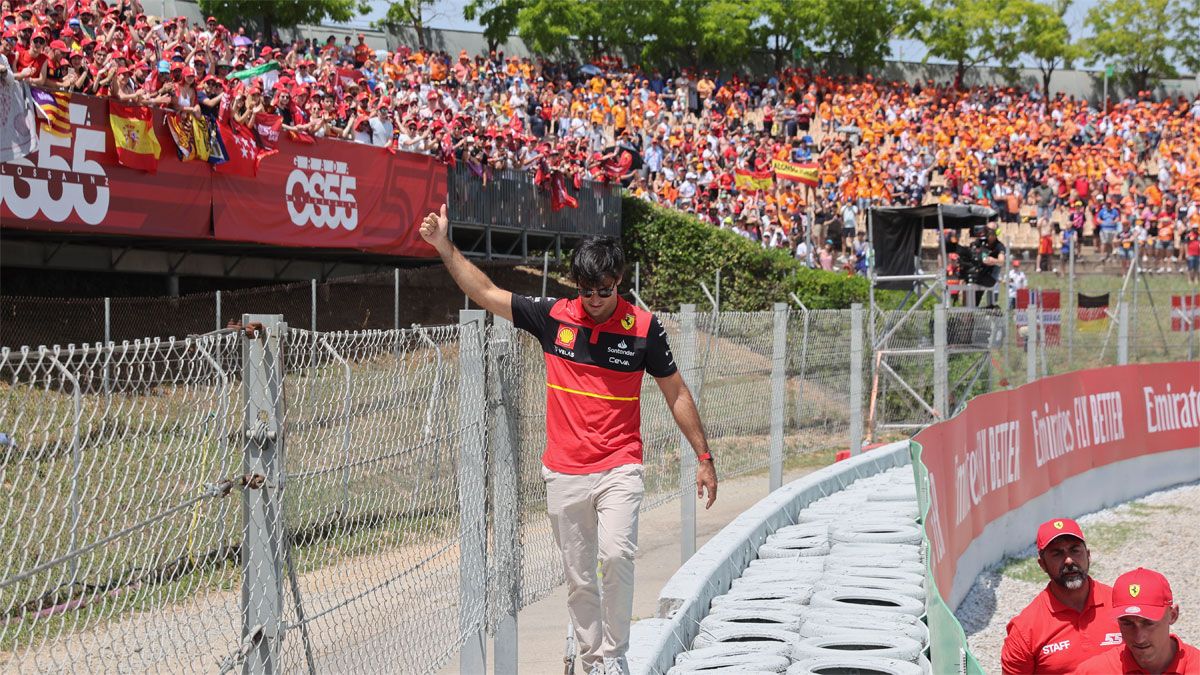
(596, 347)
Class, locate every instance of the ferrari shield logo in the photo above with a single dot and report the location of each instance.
(627, 322)
(1058, 525)
(1134, 589)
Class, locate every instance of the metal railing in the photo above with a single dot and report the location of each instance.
(510, 199)
(289, 500)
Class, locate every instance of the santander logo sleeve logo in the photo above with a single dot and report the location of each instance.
(320, 192)
(80, 185)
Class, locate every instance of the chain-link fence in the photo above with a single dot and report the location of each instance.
(370, 500)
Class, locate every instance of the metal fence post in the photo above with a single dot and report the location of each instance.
(502, 388)
(1031, 337)
(313, 286)
(803, 363)
(107, 339)
(856, 378)
(685, 356)
(941, 362)
(472, 484)
(262, 496)
(218, 311)
(778, 393)
(1073, 303)
(1190, 313)
(1123, 334)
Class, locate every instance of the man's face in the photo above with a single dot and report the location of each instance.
(1149, 641)
(1066, 560)
(598, 308)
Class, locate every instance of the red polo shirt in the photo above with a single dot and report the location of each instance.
(593, 380)
(1186, 662)
(1049, 637)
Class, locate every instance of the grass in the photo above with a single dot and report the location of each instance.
(1150, 335)
(171, 430)
(1100, 537)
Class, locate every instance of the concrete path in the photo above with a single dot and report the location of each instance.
(542, 626)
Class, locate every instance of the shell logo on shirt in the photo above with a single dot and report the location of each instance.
(565, 337)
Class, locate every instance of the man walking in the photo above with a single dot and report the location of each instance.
(1068, 622)
(1144, 608)
(596, 347)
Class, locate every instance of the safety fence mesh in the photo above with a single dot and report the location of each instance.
(368, 500)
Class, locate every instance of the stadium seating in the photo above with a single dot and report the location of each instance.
(693, 141)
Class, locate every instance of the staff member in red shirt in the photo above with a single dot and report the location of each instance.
(1145, 609)
(596, 347)
(1068, 622)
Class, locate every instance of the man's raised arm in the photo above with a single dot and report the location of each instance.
(435, 231)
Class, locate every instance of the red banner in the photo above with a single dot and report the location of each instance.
(74, 183)
(331, 195)
(1009, 447)
(324, 194)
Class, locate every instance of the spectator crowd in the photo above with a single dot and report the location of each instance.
(1124, 179)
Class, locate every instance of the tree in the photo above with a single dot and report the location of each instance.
(792, 26)
(498, 17)
(1190, 49)
(861, 31)
(548, 26)
(1038, 30)
(1140, 38)
(403, 13)
(691, 32)
(276, 14)
(963, 32)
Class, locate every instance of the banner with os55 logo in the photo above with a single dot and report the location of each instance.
(74, 184)
(331, 195)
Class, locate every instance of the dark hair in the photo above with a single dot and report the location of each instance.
(597, 261)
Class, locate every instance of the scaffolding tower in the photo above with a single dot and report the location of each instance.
(958, 328)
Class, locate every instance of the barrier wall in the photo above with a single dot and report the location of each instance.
(684, 600)
(329, 194)
(1060, 446)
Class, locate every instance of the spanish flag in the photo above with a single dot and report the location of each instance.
(805, 173)
(133, 134)
(752, 180)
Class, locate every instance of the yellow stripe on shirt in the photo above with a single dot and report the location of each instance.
(606, 397)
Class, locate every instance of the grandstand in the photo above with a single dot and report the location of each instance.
(716, 145)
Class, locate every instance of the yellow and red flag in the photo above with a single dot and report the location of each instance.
(745, 179)
(56, 110)
(806, 173)
(133, 134)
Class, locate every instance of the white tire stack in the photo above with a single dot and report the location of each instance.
(841, 590)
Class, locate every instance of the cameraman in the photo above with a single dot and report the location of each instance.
(988, 256)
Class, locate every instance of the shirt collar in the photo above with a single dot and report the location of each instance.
(580, 316)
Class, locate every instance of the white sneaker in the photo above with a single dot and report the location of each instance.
(610, 666)
(616, 666)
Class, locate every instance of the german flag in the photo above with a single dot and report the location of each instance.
(56, 110)
(1092, 312)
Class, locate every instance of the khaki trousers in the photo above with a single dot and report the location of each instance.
(594, 517)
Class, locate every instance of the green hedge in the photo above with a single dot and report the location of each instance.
(677, 252)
